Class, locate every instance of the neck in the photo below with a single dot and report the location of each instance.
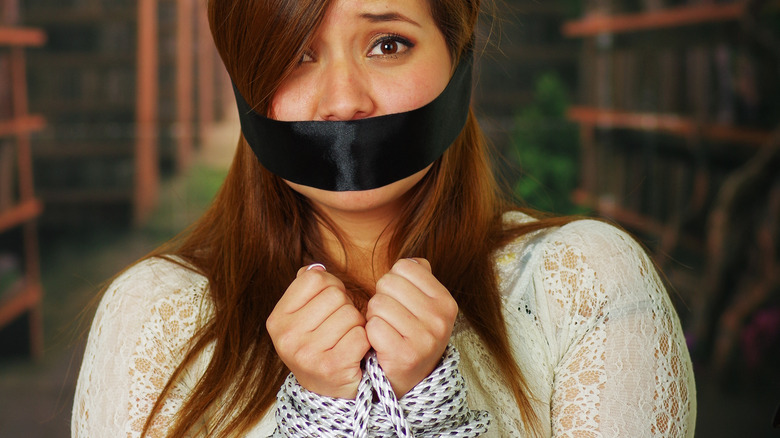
(366, 235)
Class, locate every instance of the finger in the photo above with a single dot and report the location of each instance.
(317, 310)
(421, 261)
(305, 287)
(353, 346)
(394, 313)
(405, 292)
(336, 326)
(418, 272)
(383, 336)
(313, 266)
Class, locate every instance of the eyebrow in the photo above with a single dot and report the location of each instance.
(389, 16)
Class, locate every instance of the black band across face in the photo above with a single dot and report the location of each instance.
(360, 154)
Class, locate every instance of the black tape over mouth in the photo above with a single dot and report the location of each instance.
(360, 154)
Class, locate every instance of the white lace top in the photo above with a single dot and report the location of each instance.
(590, 324)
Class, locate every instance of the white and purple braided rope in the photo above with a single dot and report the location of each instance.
(436, 407)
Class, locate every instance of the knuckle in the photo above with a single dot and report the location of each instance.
(353, 314)
(450, 307)
(277, 327)
(428, 343)
(382, 283)
(371, 325)
(334, 296)
(358, 340)
(362, 342)
(375, 303)
(387, 282)
(439, 327)
(271, 323)
(305, 355)
(286, 344)
(403, 265)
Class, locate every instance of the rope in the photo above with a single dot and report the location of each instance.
(435, 407)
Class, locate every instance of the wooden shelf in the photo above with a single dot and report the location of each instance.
(631, 219)
(113, 148)
(20, 297)
(541, 8)
(667, 123)
(611, 209)
(25, 295)
(87, 195)
(21, 125)
(91, 106)
(79, 59)
(541, 53)
(20, 214)
(21, 36)
(91, 15)
(666, 18)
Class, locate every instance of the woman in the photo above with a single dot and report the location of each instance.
(359, 240)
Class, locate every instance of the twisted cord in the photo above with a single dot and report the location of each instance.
(435, 407)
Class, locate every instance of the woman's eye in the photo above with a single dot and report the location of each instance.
(390, 45)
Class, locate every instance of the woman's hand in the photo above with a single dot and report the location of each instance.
(319, 334)
(410, 320)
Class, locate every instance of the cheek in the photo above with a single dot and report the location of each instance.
(291, 103)
(414, 91)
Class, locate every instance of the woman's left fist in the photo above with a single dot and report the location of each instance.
(409, 323)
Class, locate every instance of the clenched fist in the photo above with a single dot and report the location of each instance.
(319, 334)
(409, 323)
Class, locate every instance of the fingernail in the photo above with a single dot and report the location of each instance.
(315, 266)
(413, 260)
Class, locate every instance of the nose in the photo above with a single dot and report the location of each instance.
(344, 92)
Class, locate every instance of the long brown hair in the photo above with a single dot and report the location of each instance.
(258, 231)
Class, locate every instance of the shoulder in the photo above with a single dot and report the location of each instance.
(152, 280)
(156, 277)
(144, 323)
(152, 292)
(593, 249)
(585, 234)
(583, 263)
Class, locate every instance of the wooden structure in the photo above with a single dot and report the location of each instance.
(20, 288)
(676, 102)
(117, 85)
(524, 44)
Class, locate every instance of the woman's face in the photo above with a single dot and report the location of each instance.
(369, 58)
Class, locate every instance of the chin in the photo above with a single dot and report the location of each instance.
(387, 197)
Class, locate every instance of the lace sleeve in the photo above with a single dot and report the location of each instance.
(138, 336)
(621, 366)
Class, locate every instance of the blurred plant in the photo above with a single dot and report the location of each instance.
(546, 147)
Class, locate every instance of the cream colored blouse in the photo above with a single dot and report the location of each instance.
(590, 324)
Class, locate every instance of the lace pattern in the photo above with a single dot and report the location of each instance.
(140, 332)
(590, 325)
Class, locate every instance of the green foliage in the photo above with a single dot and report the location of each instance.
(546, 147)
(184, 199)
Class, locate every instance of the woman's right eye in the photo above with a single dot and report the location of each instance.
(390, 45)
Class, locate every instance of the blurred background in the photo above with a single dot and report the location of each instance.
(117, 127)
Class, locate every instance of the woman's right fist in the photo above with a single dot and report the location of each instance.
(319, 334)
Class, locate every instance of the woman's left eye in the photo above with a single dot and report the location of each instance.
(390, 45)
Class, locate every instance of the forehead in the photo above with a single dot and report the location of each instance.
(371, 9)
